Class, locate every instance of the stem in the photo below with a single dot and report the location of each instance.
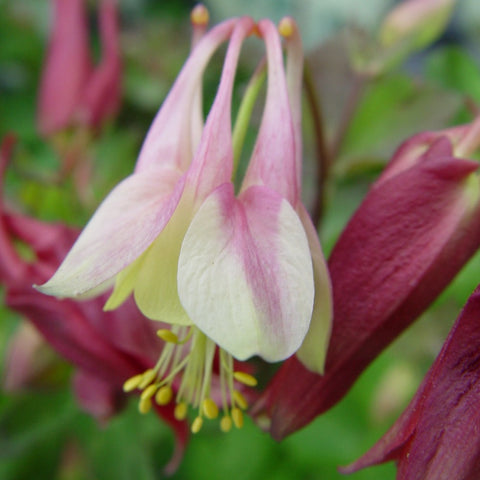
(358, 87)
(245, 111)
(322, 153)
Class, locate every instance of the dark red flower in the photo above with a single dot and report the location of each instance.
(438, 435)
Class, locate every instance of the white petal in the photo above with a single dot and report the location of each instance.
(245, 274)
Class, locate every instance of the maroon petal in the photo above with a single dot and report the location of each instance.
(99, 398)
(438, 435)
(64, 326)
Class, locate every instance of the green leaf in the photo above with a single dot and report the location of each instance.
(392, 109)
(453, 68)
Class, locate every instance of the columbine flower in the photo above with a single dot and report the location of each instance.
(416, 228)
(71, 90)
(240, 273)
(437, 436)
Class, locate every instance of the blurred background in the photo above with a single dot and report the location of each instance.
(369, 100)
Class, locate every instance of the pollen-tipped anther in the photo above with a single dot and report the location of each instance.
(245, 378)
(287, 27)
(164, 395)
(237, 417)
(226, 424)
(197, 425)
(167, 335)
(200, 15)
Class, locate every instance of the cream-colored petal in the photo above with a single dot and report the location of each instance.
(155, 289)
(313, 351)
(124, 284)
(245, 274)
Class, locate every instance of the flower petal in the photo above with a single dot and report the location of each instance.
(99, 398)
(313, 351)
(294, 76)
(245, 273)
(68, 331)
(155, 288)
(66, 68)
(123, 227)
(102, 92)
(437, 435)
(168, 141)
(273, 161)
(213, 162)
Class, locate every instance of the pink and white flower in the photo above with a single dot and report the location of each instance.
(242, 272)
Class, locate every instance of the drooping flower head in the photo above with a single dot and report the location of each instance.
(242, 273)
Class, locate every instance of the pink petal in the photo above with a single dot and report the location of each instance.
(294, 74)
(101, 96)
(67, 67)
(123, 227)
(213, 162)
(49, 241)
(168, 141)
(273, 161)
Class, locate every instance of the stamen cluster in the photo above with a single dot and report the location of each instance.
(186, 364)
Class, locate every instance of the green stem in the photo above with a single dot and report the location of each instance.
(245, 112)
(322, 152)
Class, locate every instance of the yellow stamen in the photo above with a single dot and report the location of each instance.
(164, 395)
(240, 400)
(210, 408)
(237, 416)
(188, 361)
(147, 378)
(197, 424)
(149, 392)
(167, 336)
(226, 424)
(180, 411)
(145, 405)
(245, 378)
(286, 27)
(132, 383)
(200, 15)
